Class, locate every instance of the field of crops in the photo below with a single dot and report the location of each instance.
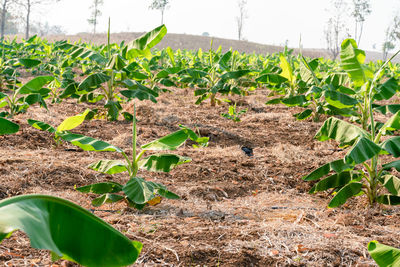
(202, 157)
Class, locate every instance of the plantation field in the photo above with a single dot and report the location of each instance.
(236, 210)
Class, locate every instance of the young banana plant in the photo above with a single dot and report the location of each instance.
(68, 124)
(137, 191)
(366, 147)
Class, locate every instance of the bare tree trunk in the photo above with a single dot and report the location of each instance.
(95, 17)
(3, 18)
(28, 14)
(361, 30)
(355, 34)
(162, 16)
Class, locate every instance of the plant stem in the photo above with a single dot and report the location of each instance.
(134, 138)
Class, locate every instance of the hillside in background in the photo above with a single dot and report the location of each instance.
(194, 42)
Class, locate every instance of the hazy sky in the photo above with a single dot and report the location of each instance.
(269, 21)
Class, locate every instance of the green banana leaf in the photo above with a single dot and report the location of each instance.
(384, 256)
(363, 150)
(345, 193)
(41, 126)
(341, 131)
(338, 166)
(88, 143)
(8, 127)
(392, 184)
(66, 229)
(352, 60)
(35, 85)
(333, 181)
(162, 162)
(339, 100)
(109, 166)
(101, 188)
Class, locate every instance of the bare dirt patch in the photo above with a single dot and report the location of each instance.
(236, 210)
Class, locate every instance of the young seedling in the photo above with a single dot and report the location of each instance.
(68, 124)
(137, 191)
(233, 114)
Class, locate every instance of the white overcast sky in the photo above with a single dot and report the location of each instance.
(269, 21)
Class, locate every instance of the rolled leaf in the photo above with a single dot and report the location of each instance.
(67, 230)
(345, 193)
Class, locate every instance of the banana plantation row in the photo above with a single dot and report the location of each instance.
(113, 74)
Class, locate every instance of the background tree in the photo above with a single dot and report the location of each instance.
(361, 9)
(241, 18)
(96, 13)
(161, 5)
(28, 5)
(336, 30)
(392, 34)
(5, 15)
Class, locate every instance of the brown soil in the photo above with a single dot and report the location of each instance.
(235, 210)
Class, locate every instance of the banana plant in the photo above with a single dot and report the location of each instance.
(118, 71)
(8, 127)
(67, 230)
(384, 256)
(137, 191)
(361, 171)
(66, 125)
(21, 97)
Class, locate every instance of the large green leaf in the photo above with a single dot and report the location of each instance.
(339, 100)
(298, 100)
(362, 151)
(345, 193)
(28, 62)
(108, 166)
(234, 74)
(392, 145)
(287, 71)
(387, 89)
(107, 198)
(391, 124)
(352, 60)
(140, 191)
(333, 181)
(67, 230)
(338, 166)
(162, 162)
(88, 143)
(387, 108)
(72, 122)
(339, 130)
(307, 71)
(394, 164)
(168, 142)
(8, 127)
(93, 81)
(388, 200)
(148, 40)
(35, 85)
(392, 184)
(384, 256)
(41, 126)
(272, 79)
(101, 188)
